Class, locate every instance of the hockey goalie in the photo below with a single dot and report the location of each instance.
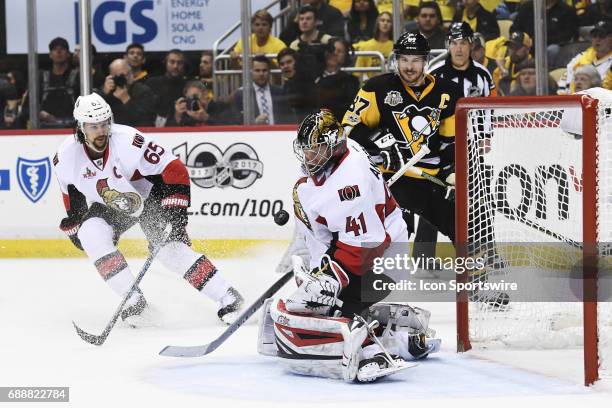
(348, 217)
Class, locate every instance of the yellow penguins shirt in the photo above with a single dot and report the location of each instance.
(424, 114)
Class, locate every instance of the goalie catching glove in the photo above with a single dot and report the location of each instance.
(318, 290)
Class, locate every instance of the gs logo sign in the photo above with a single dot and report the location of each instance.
(239, 166)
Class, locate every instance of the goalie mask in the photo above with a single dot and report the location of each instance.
(93, 117)
(409, 44)
(320, 141)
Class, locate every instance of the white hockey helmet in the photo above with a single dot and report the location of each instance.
(91, 108)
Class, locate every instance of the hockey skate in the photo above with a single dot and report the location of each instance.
(229, 306)
(372, 369)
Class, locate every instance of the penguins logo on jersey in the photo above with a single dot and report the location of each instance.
(417, 124)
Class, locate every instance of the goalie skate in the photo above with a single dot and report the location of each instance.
(372, 369)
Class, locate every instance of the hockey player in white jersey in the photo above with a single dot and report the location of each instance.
(349, 218)
(112, 177)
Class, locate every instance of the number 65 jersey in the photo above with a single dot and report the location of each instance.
(348, 212)
(123, 178)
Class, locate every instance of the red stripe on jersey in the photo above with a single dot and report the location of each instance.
(200, 272)
(175, 173)
(321, 220)
(136, 176)
(66, 198)
(321, 181)
(358, 260)
(175, 200)
(110, 265)
(304, 338)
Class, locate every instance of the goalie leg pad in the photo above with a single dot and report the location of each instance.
(309, 345)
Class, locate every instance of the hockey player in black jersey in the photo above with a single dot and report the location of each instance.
(474, 80)
(412, 109)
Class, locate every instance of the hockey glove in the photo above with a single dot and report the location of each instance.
(174, 212)
(71, 228)
(318, 290)
(394, 158)
(447, 174)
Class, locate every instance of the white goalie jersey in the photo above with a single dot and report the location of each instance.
(118, 179)
(348, 211)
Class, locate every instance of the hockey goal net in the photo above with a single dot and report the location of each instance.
(534, 200)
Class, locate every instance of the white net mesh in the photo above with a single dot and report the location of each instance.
(525, 217)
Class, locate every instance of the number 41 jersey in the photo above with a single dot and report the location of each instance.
(122, 179)
(348, 212)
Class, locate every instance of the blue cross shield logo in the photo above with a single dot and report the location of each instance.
(34, 177)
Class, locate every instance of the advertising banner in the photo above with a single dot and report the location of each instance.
(160, 25)
(239, 180)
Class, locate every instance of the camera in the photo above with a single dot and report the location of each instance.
(193, 103)
(120, 81)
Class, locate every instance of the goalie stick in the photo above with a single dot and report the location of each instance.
(99, 340)
(198, 351)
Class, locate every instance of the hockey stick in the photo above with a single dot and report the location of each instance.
(99, 340)
(409, 164)
(198, 351)
(512, 215)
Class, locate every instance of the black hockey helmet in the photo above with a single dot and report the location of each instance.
(320, 139)
(460, 30)
(411, 44)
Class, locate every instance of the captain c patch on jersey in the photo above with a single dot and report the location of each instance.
(416, 122)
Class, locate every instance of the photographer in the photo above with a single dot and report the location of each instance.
(195, 109)
(132, 103)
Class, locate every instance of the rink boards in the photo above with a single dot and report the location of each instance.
(239, 179)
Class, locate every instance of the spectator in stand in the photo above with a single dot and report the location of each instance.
(262, 41)
(429, 22)
(594, 12)
(169, 86)
(607, 80)
(13, 97)
(336, 89)
(506, 73)
(205, 72)
(59, 87)
(329, 20)
(97, 74)
(478, 18)
(309, 34)
(132, 102)
(311, 42)
(526, 82)
(479, 53)
(270, 101)
(344, 6)
(195, 109)
(297, 85)
(561, 25)
(135, 56)
(586, 77)
(362, 21)
(382, 42)
(598, 55)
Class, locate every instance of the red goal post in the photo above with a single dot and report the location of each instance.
(467, 109)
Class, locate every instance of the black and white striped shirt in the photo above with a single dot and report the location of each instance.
(474, 81)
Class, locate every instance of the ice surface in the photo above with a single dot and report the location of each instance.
(38, 347)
